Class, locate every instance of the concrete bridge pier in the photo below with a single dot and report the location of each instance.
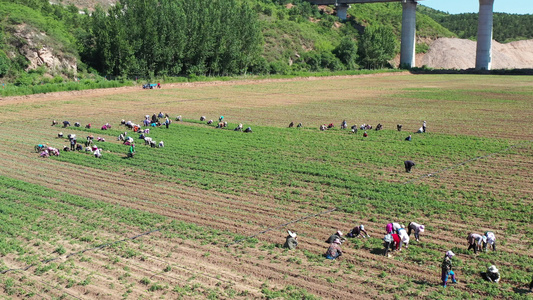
(484, 35)
(342, 11)
(407, 52)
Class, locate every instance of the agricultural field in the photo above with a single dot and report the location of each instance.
(206, 216)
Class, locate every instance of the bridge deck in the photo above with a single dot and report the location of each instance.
(333, 2)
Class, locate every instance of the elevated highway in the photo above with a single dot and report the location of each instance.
(408, 38)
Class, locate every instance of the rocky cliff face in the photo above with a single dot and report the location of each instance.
(36, 47)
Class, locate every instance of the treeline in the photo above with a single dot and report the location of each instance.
(148, 37)
(157, 38)
(506, 27)
(218, 37)
(154, 38)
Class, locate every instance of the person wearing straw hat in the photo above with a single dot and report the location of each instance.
(417, 228)
(291, 241)
(447, 268)
(333, 237)
(357, 230)
(334, 250)
(492, 274)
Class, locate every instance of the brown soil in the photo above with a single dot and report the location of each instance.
(452, 53)
(199, 269)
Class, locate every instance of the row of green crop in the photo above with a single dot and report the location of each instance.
(40, 224)
(334, 166)
(60, 86)
(32, 213)
(82, 220)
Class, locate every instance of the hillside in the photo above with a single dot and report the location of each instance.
(36, 44)
(45, 43)
(507, 27)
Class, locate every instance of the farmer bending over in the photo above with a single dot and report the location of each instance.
(404, 237)
(334, 250)
(417, 228)
(408, 165)
(474, 241)
(491, 240)
(335, 236)
(492, 274)
(388, 241)
(131, 150)
(97, 153)
(291, 241)
(356, 231)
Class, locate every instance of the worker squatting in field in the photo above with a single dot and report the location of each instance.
(291, 241)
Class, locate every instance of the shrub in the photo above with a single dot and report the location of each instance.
(4, 63)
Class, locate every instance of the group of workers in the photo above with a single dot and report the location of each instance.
(397, 236)
(74, 145)
(477, 241)
(127, 140)
(222, 124)
(366, 127)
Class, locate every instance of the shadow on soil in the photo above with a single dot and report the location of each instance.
(377, 251)
(521, 291)
(425, 283)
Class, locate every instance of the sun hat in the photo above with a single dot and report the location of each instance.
(292, 234)
(449, 253)
(493, 269)
(362, 227)
(421, 228)
(337, 241)
(339, 232)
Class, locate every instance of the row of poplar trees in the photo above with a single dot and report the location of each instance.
(169, 37)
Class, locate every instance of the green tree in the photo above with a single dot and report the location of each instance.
(159, 37)
(346, 51)
(4, 63)
(377, 46)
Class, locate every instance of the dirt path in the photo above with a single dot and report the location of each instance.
(137, 89)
